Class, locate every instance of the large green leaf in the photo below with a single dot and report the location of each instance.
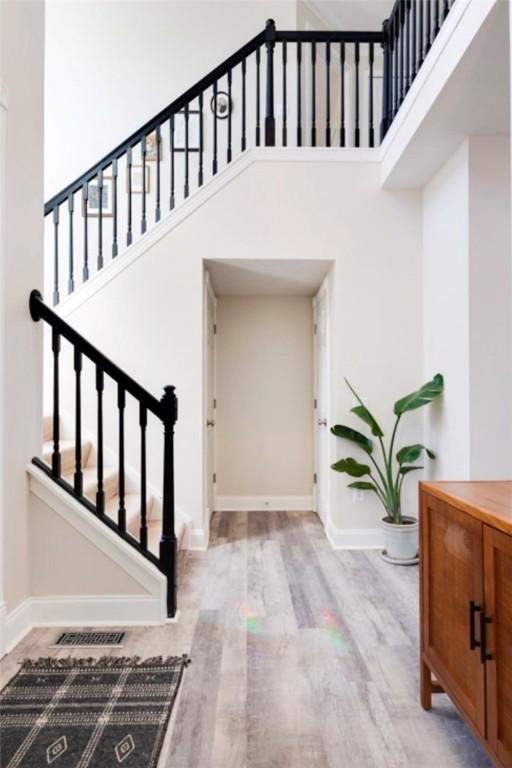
(363, 413)
(366, 416)
(421, 397)
(406, 470)
(356, 437)
(410, 453)
(361, 485)
(351, 467)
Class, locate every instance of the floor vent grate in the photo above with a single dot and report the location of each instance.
(90, 639)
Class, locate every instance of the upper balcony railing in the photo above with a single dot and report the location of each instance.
(296, 88)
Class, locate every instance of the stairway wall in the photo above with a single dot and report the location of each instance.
(149, 318)
(21, 268)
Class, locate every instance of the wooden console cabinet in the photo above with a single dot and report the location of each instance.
(466, 606)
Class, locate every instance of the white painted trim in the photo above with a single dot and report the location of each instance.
(354, 538)
(117, 550)
(199, 198)
(464, 20)
(198, 540)
(3, 99)
(264, 503)
(3, 617)
(81, 611)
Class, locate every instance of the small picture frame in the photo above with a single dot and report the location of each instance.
(221, 105)
(152, 153)
(93, 198)
(194, 131)
(137, 188)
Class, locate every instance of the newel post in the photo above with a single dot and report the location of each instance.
(168, 543)
(386, 80)
(270, 121)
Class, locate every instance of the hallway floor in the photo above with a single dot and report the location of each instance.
(301, 656)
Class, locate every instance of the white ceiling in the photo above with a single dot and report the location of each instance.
(267, 277)
(355, 15)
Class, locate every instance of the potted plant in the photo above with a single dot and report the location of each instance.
(386, 476)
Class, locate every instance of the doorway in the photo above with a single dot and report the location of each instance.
(266, 385)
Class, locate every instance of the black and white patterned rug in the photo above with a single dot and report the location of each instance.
(88, 713)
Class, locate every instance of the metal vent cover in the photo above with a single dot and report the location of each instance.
(90, 639)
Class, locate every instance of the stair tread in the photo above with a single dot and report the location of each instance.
(67, 454)
(90, 481)
(132, 506)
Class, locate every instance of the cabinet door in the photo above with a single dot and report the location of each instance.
(498, 607)
(451, 580)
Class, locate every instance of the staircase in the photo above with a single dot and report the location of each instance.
(282, 88)
(132, 499)
(78, 466)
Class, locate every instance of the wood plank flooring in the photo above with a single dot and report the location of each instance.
(301, 656)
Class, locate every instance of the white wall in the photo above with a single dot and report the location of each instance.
(21, 256)
(149, 318)
(446, 314)
(264, 375)
(467, 300)
(111, 66)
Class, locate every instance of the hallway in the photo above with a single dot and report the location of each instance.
(301, 656)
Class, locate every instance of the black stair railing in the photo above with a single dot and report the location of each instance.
(409, 32)
(165, 409)
(321, 89)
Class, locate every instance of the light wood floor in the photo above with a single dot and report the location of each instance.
(301, 656)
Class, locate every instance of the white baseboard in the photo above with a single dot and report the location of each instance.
(80, 611)
(354, 538)
(264, 503)
(198, 539)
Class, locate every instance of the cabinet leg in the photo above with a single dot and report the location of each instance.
(426, 686)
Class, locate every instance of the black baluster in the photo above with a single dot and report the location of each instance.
(56, 415)
(158, 140)
(402, 59)
(414, 39)
(100, 219)
(407, 11)
(436, 18)
(396, 24)
(285, 110)
(356, 89)
(214, 166)
(299, 94)
(313, 94)
(114, 208)
(129, 190)
(168, 543)
(71, 277)
(85, 198)
(342, 94)
(328, 94)
(100, 492)
(121, 513)
(56, 296)
(200, 177)
(186, 187)
(229, 117)
(270, 121)
(172, 200)
(78, 477)
(386, 52)
(143, 149)
(143, 420)
(258, 88)
(421, 40)
(446, 9)
(371, 134)
(428, 26)
(244, 106)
